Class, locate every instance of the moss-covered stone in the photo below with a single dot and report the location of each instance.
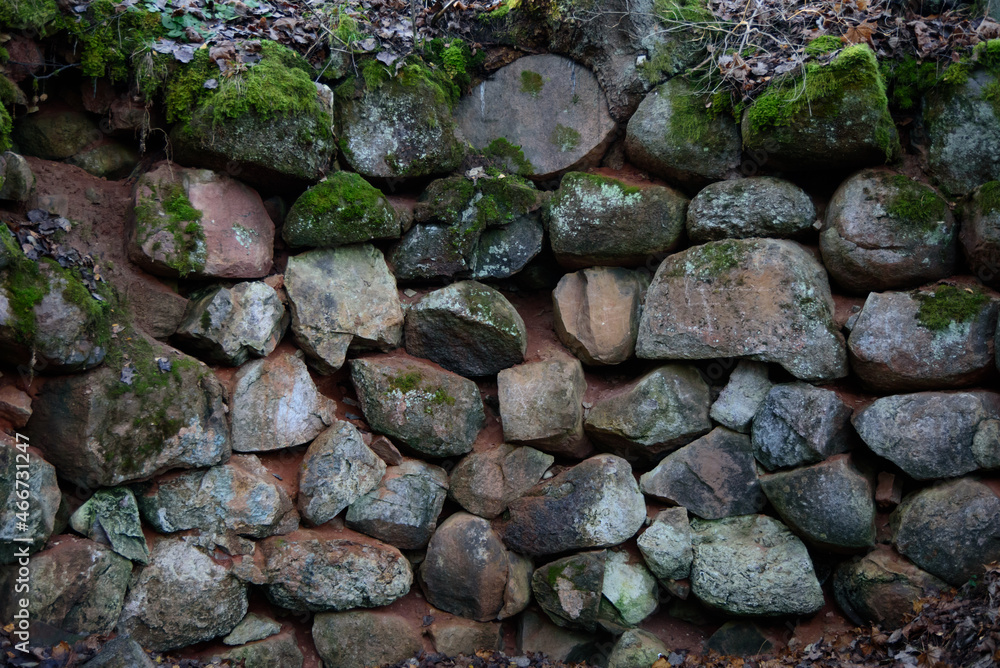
(343, 209)
(165, 221)
(948, 304)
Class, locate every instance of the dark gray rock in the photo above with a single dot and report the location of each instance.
(404, 508)
(881, 588)
(503, 252)
(121, 652)
(759, 206)
(739, 639)
(800, 424)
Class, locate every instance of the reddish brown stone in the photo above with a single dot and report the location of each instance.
(889, 491)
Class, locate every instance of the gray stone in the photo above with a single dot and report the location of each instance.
(885, 231)
(337, 470)
(541, 404)
(342, 209)
(598, 220)
(43, 494)
(949, 530)
(228, 325)
(252, 627)
(934, 434)
(362, 638)
(759, 206)
(597, 311)
(121, 652)
(766, 299)
(18, 181)
(569, 589)
(742, 396)
(280, 650)
(434, 412)
(111, 517)
(503, 252)
(484, 483)
(881, 588)
(800, 424)
(342, 297)
(752, 565)
(433, 251)
(713, 477)
(636, 649)
(666, 545)
(661, 411)
(467, 328)
(630, 587)
(980, 231)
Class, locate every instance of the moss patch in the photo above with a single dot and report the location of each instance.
(566, 138)
(949, 304)
(343, 209)
(712, 259)
(511, 154)
(531, 83)
(168, 208)
(823, 44)
(34, 15)
(988, 197)
(915, 203)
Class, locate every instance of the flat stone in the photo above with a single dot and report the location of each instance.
(121, 652)
(596, 313)
(278, 650)
(15, 406)
(456, 636)
(252, 627)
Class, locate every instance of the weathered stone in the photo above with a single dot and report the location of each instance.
(503, 252)
(934, 434)
(629, 587)
(636, 649)
(548, 107)
(569, 589)
(535, 633)
(467, 328)
(342, 209)
(156, 309)
(980, 233)
(597, 311)
(404, 508)
(738, 639)
(666, 408)
(759, 206)
(111, 517)
(596, 503)
(713, 477)
(251, 628)
(673, 135)
(742, 396)
(386, 451)
(182, 597)
(15, 406)
(885, 231)
(362, 638)
(197, 223)
(484, 483)
(76, 585)
(830, 504)
(55, 134)
(800, 424)
(881, 588)
(752, 565)
(469, 572)
(434, 412)
(43, 493)
(541, 404)
(228, 325)
(666, 545)
(949, 530)
(456, 636)
(433, 251)
(100, 432)
(306, 573)
(109, 159)
(280, 650)
(765, 299)
(275, 405)
(598, 220)
(18, 180)
(121, 652)
(337, 470)
(342, 297)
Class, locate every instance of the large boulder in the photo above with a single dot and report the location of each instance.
(752, 565)
(548, 109)
(934, 434)
(43, 493)
(885, 231)
(837, 121)
(362, 638)
(340, 298)
(432, 411)
(596, 503)
(745, 391)
(713, 477)
(468, 328)
(980, 233)
(799, 424)
(759, 206)
(928, 339)
(275, 405)
(469, 572)
(949, 530)
(596, 313)
(342, 209)
(195, 223)
(484, 483)
(673, 135)
(881, 588)
(598, 220)
(765, 299)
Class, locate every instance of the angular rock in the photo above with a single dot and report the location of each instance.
(76, 585)
(636, 649)
(342, 297)
(884, 231)
(569, 589)
(55, 135)
(759, 206)
(596, 503)
(484, 483)
(673, 135)
(765, 299)
(830, 504)
(503, 252)
(931, 339)
(799, 424)
(666, 545)
(467, 328)
(752, 565)
(342, 209)
(949, 530)
(597, 220)
(43, 493)
(433, 251)
(666, 408)
(462, 636)
(934, 434)
(195, 223)
(280, 650)
(251, 628)
(881, 588)
(111, 517)
(980, 233)
(182, 597)
(15, 406)
(434, 412)
(337, 470)
(275, 405)
(404, 508)
(386, 451)
(362, 638)
(713, 477)
(306, 573)
(629, 587)
(99, 432)
(745, 391)
(541, 404)
(228, 325)
(597, 311)
(547, 106)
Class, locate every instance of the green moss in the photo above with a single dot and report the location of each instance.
(8, 91)
(512, 154)
(988, 197)
(684, 11)
(577, 181)
(34, 15)
(712, 259)
(129, 348)
(168, 208)
(406, 382)
(531, 83)
(500, 12)
(991, 94)
(6, 125)
(907, 81)
(690, 122)
(566, 138)
(987, 55)
(823, 44)
(915, 203)
(949, 304)
(26, 287)
(342, 209)
(375, 74)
